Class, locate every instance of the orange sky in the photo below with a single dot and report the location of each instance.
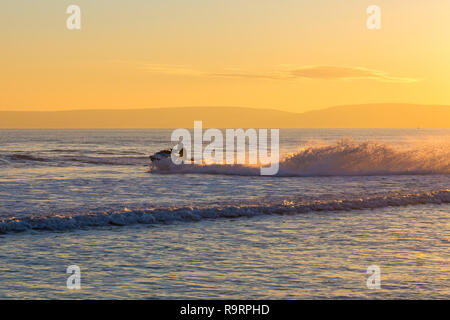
(291, 55)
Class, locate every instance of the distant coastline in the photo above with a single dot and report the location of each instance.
(351, 116)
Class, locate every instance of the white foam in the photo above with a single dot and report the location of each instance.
(343, 158)
(167, 215)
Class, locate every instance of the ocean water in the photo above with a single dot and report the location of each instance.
(344, 199)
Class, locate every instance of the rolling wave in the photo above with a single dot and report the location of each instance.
(167, 215)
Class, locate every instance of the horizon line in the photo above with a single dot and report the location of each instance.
(232, 107)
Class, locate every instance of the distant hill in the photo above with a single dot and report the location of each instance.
(378, 116)
(352, 116)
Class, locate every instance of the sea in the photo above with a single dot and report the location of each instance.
(345, 202)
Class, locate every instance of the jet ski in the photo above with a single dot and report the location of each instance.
(165, 154)
(160, 155)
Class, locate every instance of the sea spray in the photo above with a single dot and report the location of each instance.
(345, 157)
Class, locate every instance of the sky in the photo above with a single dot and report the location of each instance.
(291, 55)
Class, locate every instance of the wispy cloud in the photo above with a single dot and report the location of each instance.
(310, 72)
(347, 73)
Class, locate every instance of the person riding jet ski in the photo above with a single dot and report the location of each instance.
(164, 154)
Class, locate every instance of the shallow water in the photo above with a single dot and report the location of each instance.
(320, 255)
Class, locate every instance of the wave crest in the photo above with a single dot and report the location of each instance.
(347, 157)
(167, 215)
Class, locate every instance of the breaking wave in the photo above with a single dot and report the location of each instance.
(167, 215)
(343, 158)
